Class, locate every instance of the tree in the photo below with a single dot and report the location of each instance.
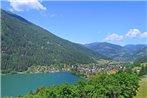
(119, 85)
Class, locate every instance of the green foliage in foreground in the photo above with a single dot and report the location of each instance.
(119, 85)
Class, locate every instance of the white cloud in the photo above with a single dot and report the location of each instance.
(25, 5)
(133, 33)
(53, 15)
(144, 34)
(114, 37)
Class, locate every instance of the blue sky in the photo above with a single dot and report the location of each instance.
(87, 21)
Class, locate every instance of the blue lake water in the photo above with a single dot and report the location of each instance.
(21, 84)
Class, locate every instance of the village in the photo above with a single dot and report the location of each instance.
(77, 68)
(95, 68)
(46, 69)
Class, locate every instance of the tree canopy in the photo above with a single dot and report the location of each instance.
(119, 85)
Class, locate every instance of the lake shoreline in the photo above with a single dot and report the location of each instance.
(26, 82)
(25, 72)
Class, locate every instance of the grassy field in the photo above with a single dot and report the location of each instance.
(142, 93)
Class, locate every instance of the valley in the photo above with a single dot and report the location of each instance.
(29, 44)
(36, 63)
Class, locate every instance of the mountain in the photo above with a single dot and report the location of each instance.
(25, 44)
(141, 58)
(107, 49)
(135, 47)
(117, 52)
(141, 53)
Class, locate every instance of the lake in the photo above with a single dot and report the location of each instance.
(21, 84)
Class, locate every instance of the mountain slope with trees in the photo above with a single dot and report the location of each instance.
(117, 52)
(25, 44)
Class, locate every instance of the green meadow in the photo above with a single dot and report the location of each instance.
(142, 91)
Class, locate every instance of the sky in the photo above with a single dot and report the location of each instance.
(83, 22)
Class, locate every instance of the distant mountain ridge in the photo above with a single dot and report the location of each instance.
(25, 44)
(135, 47)
(123, 53)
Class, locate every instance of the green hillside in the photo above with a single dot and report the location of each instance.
(117, 52)
(142, 53)
(25, 44)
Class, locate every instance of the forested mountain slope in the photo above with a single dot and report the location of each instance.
(117, 52)
(25, 44)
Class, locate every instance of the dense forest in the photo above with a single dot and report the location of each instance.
(119, 85)
(25, 44)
